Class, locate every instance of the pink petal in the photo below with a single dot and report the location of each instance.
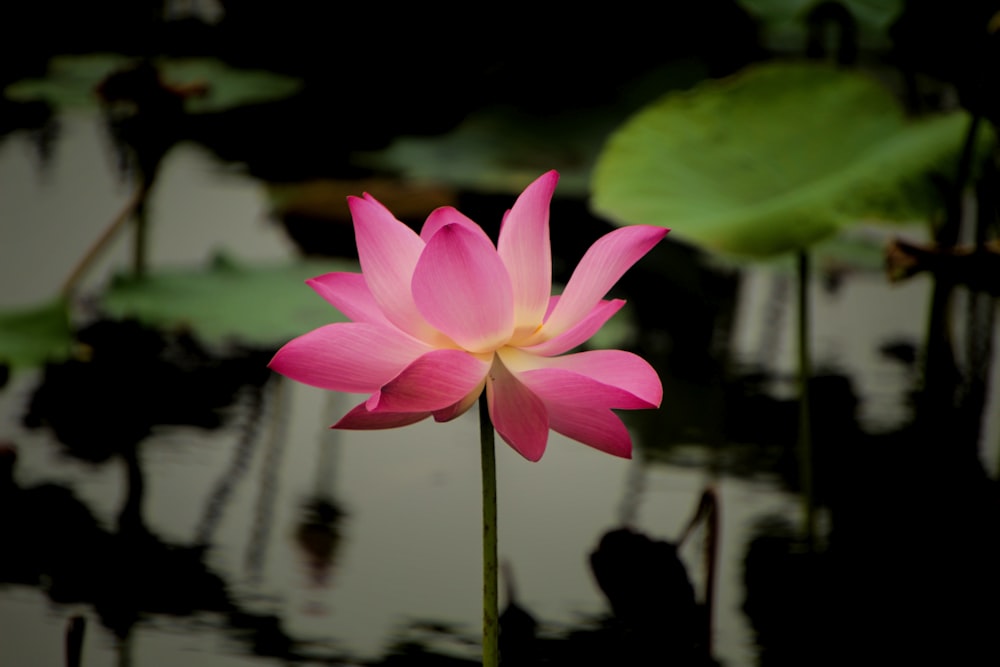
(360, 419)
(435, 381)
(349, 293)
(580, 332)
(524, 247)
(518, 415)
(460, 408)
(462, 288)
(616, 373)
(598, 271)
(447, 215)
(556, 384)
(388, 251)
(348, 356)
(596, 427)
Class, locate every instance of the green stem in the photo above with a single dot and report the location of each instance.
(491, 614)
(805, 426)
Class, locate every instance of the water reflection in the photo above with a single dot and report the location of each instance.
(36, 122)
(652, 599)
(54, 541)
(100, 408)
(127, 378)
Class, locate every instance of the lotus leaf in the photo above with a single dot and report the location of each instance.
(36, 335)
(774, 159)
(229, 301)
(72, 79)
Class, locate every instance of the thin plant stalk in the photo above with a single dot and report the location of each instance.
(491, 614)
(75, 630)
(140, 249)
(103, 241)
(939, 368)
(805, 421)
(135, 211)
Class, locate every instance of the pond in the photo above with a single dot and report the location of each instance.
(267, 538)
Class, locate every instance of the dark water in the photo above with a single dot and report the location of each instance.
(193, 509)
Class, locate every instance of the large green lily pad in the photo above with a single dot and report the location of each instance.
(229, 302)
(71, 81)
(35, 335)
(775, 159)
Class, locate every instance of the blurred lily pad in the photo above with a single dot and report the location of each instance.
(775, 159)
(36, 335)
(72, 79)
(497, 150)
(229, 302)
(783, 22)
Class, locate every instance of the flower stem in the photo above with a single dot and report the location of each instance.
(491, 622)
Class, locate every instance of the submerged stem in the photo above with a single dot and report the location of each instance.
(805, 426)
(491, 653)
(140, 244)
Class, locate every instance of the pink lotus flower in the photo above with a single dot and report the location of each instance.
(438, 316)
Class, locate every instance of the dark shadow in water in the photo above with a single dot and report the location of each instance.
(37, 119)
(908, 573)
(53, 542)
(76, 630)
(318, 536)
(101, 408)
(652, 599)
(127, 378)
